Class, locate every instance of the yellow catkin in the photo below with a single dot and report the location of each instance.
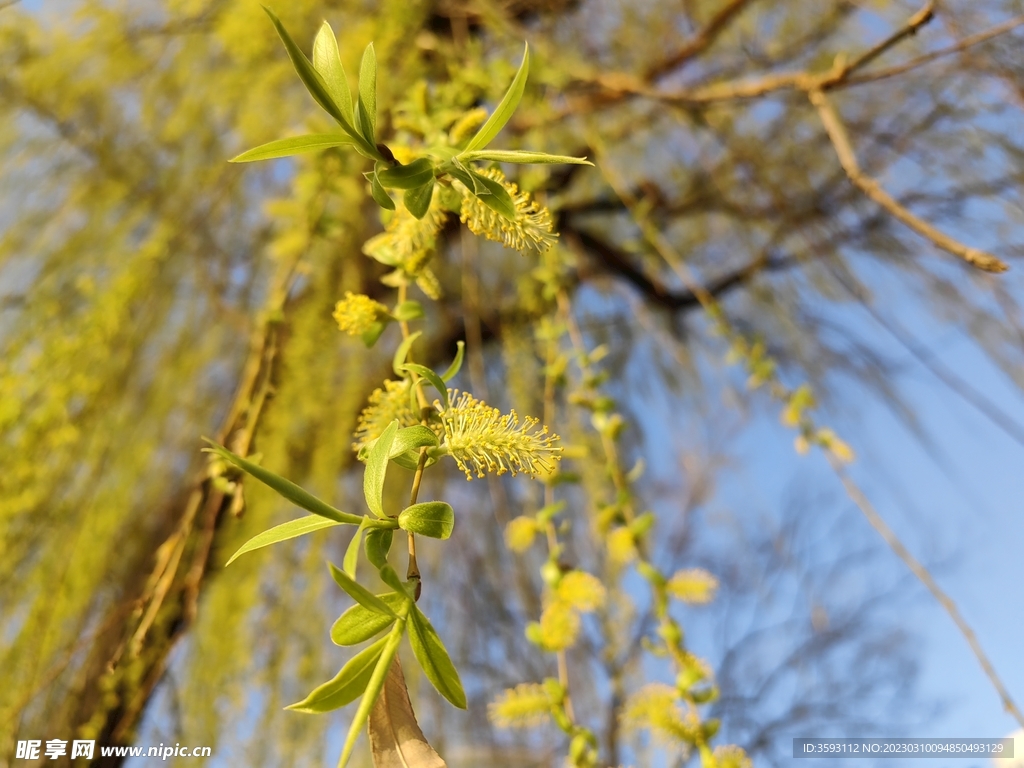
(520, 533)
(693, 585)
(481, 439)
(531, 228)
(524, 706)
(582, 591)
(559, 626)
(356, 313)
(384, 406)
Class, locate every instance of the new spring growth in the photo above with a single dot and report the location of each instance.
(531, 227)
(356, 313)
(481, 439)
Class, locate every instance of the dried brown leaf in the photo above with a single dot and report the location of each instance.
(396, 740)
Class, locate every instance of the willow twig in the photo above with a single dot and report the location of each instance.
(841, 142)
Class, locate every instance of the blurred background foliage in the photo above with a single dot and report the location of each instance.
(151, 293)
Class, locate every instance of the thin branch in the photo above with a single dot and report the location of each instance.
(909, 29)
(865, 506)
(837, 133)
(700, 42)
(927, 58)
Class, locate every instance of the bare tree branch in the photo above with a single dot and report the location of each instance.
(837, 133)
(865, 506)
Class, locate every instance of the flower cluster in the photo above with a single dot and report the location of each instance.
(531, 227)
(356, 313)
(481, 439)
(384, 406)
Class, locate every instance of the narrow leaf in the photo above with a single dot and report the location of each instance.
(456, 365)
(417, 173)
(283, 532)
(396, 740)
(429, 518)
(367, 106)
(434, 659)
(377, 468)
(508, 105)
(417, 200)
(408, 310)
(359, 593)
(403, 351)
(390, 577)
(286, 488)
(294, 145)
(347, 685)
(378, 193)
(327, 61)
(318, 88)
(371, 334)
(378, 544)
(411, 438)
(373, 689)
(351, 561)
(498, 199)
(433, 378)
(516, 156)
(359, 624)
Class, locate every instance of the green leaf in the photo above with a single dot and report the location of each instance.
(456, 365)
(359, 624)
(417, 200)
(498, 199)
(390, 577)
(403, 351)
(283, 532)
(408, 310)
(373, 689)
(371, 334)
(327, 61)
(378, 544)
(432, 377)
(517, 156)
(377, 468)
(347, 685)
(318, 88)
(412, 438)
(359, 593)
(428, 518)
(286, 488)
(382, 198)
(508, 105)
(417, 173)
(366, 108)
(294, 145)
(351, 561)
(434, 659)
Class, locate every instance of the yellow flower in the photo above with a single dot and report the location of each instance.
(383, 407)
(582, 591)
(655, 707)
(694, 586)
(408, 242)
(559, 626)
(481, 439)
(731, 756)
(520, 532)
(356, 313)
(621, 547)
(521, 707)
(531, 227)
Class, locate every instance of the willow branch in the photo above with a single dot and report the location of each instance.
(837, 134)
(865, 506)
(701, 41)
